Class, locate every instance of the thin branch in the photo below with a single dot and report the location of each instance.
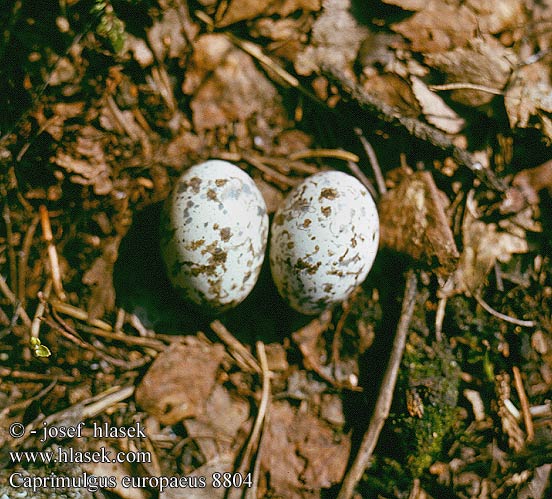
(240, 354)
(466, 86)
(52, 252)
(499, 315)
(369, 150)
(415, 127)
(524, 401)
(385, 397)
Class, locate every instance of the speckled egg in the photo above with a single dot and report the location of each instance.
(324, 239)
(214, 229)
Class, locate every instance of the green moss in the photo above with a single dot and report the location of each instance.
(429, 384)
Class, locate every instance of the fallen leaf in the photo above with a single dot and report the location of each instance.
(483, 61)
(483, 245)
(526, 186)
(437, 25)
(335, 40)
(496, 16)
(301, 454)
(394, 91)
(166, 36)
(436, 111)
(530, 95)
(222, 431)
(420, 227)
(307, 339)
(100, 278)
(225, 84)
(179, 381)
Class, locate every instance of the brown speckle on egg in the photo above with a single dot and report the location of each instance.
(226, 233)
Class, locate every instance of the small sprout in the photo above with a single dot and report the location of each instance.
(39, 349)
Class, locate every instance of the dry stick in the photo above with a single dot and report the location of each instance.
(40, 309)
(414, 126)
(385, 397)
(260, 422)
(525, 408)
(325, 153)
(78, 313)
(5, 289)
(241, 354)
(52, 252)
(24, 260)
(369, 150)
(11, 251)
(6, 371)
(359, 174)
(499, 315)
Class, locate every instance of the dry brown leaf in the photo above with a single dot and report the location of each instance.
(166, 37)
(225, 84)
(413, 221)
(484, 61)
(242, 10)
(307, 339)
(542, 16)
(435, 109)
(180, 380)
(223, 431)
(495, 16)
(437, 25)
(394, 91)
(530, 95)
(526, 187)
(483, 245)
(100, 278)
(300, 453)
(335, 41)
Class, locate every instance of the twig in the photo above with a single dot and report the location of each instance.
(369, 150)
(385, 397)
(504, 317)
(325, 153)
(525, 408)
(440, 317)
(466, 86)
(78, 313)
(40, 309)
(52, 252)
(11, 251)
(24, 259)
(241, 354)
(5, 289)
(256, 435)
(415, 127)
(270, 172)
(125, 338)
(358, 173)
(5, 372)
